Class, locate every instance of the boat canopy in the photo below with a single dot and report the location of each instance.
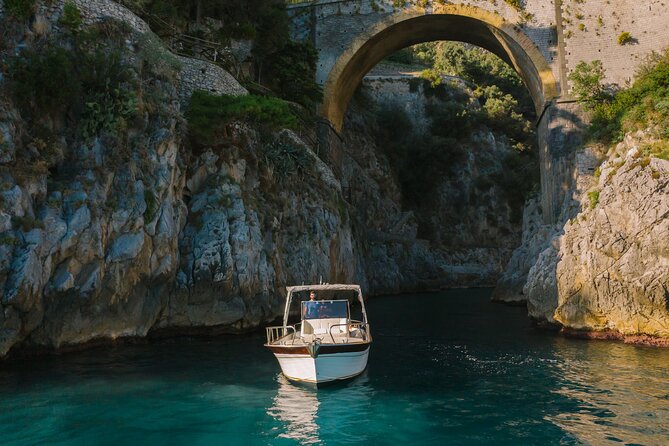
(323, 287)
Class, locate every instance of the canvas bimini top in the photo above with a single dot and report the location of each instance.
(323, 287)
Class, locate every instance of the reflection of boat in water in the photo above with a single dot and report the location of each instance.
(308, 416)
(296, 407)
(327, 344)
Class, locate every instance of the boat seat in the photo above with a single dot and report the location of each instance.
(322, 326)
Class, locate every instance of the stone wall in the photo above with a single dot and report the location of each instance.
(592, 28)
(91, 11)
(95, 10)
(198, 74)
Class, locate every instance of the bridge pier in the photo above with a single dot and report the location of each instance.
(560, 131)
(330, 146)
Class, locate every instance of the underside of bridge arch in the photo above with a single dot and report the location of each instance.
(458, 23)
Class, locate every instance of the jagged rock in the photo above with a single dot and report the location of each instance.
(235, 251)
(63, 279)
(126, 247)
(5, 222)
(541, 286)
(536, 239)
(10, 327)
(607, 269)
(15, 202)
(613, 269)
(76, 224)
(7, 131)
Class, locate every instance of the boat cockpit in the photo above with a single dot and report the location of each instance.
(330, 319)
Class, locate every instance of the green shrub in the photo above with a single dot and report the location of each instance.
(107, 111)
(506, 108)
(287, 159)
(110, 92)
(293, 73)
(151, 205)
(434, 77)
(89, 83)
(587, 82)
(286, 66)
(644, 104)
(45, 79)
(516, 4)
(452, 119)
(593, 196)
(625, 38)
(20, 9)
(7, 239)
(480, 68)
(71, 18)
(658, 149)
(404, 56)
(208, 114)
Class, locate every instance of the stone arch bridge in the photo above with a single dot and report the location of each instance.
(542, 40)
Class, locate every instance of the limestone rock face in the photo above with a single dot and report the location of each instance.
(607, 267)
(536, 239)
(248, 235)
(613, 269)
(541, 286)
(92, 264)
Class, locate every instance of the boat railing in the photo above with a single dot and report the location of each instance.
(278, 333)
(351, 326)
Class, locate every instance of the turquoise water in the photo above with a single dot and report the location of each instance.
(447, 368)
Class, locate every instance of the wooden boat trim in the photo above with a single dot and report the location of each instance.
(324, 349)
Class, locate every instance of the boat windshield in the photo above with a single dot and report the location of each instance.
(325, 309)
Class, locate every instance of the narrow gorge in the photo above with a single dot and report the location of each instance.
(144, 192)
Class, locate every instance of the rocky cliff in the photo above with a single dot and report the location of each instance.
(604, 272)
(117, 248)
(133, 229)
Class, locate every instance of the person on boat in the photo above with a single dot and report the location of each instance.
(310, 311)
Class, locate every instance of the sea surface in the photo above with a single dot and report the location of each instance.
(444, 369)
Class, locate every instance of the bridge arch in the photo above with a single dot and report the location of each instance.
(463, 23)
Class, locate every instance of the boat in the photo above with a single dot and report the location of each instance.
(327, 345)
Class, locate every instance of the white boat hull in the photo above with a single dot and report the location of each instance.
(324, 367)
